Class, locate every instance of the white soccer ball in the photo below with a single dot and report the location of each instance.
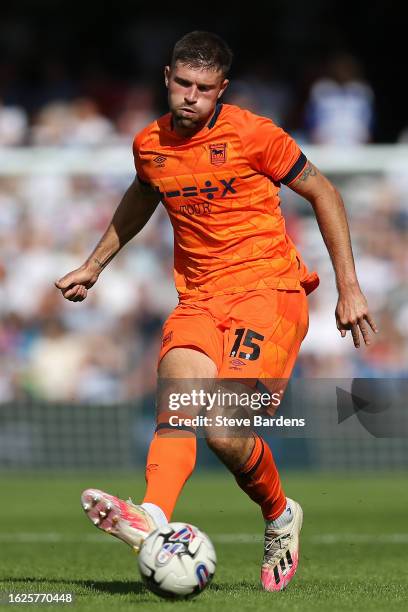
(177, 561)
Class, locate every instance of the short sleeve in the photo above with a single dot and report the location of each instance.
(271, 151)
(137, 160)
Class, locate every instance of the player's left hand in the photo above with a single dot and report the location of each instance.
(352, 314)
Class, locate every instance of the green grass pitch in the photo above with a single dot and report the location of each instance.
(354, 547)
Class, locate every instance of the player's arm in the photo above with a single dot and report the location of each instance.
(352, 310)
(131, 215)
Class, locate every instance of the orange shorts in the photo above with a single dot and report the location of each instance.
(255, 335)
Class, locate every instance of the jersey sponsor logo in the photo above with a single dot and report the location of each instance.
(218, 154)
(160, 161)
(195, 209)
(209, 190)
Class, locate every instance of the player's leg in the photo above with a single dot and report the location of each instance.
(251, 462)
(281, 548)
(250, 459)
(172, 452)
(170, 461)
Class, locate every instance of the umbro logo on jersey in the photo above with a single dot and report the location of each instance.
(160, 161)
(218, 154)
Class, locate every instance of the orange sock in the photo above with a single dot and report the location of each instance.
(259, 478)
(170, 462)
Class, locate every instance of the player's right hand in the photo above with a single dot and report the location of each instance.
(74, 285)
(352, 314)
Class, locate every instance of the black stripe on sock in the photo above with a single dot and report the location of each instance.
(174, 427)
(262, 388)
(255, 467)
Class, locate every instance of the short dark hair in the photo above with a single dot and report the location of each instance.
(203, 50)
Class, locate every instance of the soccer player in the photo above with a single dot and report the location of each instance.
(242, 284)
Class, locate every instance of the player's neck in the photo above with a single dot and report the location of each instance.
(185, 132)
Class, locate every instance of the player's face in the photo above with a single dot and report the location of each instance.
(192, 94)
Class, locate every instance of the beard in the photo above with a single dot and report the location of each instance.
(185, 120)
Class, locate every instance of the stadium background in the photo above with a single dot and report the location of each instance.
(76, 83)
(77, 380)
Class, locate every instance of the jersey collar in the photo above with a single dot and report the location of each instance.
(215, 116)
(209, 126)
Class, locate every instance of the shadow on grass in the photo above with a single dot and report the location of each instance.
(245, 585)
(115, 587)
(104, 586)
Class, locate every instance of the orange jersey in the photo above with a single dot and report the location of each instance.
(220, 188)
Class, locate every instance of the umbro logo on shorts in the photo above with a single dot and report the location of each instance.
(236, 364)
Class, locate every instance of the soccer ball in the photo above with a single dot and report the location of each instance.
(177, 561)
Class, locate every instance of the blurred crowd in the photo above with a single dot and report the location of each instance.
(335, 106)
(338, 107)
(104, 350)
(377, 207)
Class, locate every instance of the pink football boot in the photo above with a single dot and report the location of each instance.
(122, 519)
(281, 552)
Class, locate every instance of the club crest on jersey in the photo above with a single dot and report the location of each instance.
(218, 154)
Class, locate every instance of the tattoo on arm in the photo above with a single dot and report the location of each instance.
(102, 265)
(309, 170)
